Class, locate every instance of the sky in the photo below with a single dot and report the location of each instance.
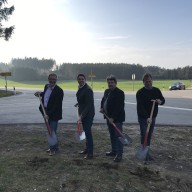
(145, 32)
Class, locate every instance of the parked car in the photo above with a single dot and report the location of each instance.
(177, 86)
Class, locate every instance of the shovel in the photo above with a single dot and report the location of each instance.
(80, 134)
(124, 138)
(52, 138)
(142, 151)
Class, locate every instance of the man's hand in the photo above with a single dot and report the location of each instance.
(149, 121)
(158, 101)
(101, 110)
(46, 117)
(76, 105)
(79, 119)
(37, 94)
(111, 120)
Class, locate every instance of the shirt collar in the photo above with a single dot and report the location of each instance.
(82, 86)
(51, 88)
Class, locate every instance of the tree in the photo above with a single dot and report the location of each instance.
(5, 32)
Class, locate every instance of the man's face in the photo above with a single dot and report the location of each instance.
(148, 83)
(52, 80)
(81, 81)
(111, 84)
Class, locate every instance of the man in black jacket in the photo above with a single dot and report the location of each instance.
(112, 105)
(52, 98)
(144, 98)
(86, 112)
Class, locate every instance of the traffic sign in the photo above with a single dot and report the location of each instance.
(5, 74)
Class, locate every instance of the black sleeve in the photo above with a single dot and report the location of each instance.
(141, 110)
(89, 101)
(57, 101)
(119, 104)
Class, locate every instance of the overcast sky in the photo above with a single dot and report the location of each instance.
(146, 32)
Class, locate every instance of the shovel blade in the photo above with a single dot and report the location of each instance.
(142, 152)
(52, 139)
(129, 140)
(82, 136)
(123, 141)
(79, 136)
(126, 140)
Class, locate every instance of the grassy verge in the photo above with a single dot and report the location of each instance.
(3, 93)
(97, 85)
(25, 166)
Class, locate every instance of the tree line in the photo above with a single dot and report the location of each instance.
(33, 69)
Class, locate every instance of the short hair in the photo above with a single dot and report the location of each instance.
(146, 76)
(52, 74)
(82, 75)
(112, 78)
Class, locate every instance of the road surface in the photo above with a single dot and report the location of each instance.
(23, 108)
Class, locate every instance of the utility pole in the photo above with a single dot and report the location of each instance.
(5, 74)
(92, 76)
(133, 79)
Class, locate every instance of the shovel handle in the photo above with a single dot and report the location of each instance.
(116, 128)
(44, 113)
(149, 124)
(79, 129)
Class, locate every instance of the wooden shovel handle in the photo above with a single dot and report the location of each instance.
(44, 113)
(149, 124)
(116, 128)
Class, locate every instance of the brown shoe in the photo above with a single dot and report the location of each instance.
(88, 156)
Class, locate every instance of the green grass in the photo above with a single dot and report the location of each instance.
(26, 167)
(97, 85)
(3, 93)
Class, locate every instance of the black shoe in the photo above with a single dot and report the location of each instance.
(117, 158)
(88, 156)
(149, 158)
(83, 152)
(111, 154)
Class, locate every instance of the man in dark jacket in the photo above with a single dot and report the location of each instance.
(112, 105)
(144, 98)
(86, 111)
(52, 98)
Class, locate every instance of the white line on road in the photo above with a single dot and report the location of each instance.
(166, 107)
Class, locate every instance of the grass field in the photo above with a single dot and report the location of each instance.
(97, 85)
(26, 167)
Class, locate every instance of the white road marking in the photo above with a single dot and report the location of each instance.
(165, 107)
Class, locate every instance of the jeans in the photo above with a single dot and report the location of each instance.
(143, 127)
(53, 125)
(87, 123)
(116, 145)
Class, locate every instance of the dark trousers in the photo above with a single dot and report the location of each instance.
(143, 127)
(116, 145)
(87, 123)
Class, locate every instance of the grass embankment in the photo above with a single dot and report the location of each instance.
(25, 166)
(4, 93)
(97, 85)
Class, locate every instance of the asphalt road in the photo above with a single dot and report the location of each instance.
(23, 108)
